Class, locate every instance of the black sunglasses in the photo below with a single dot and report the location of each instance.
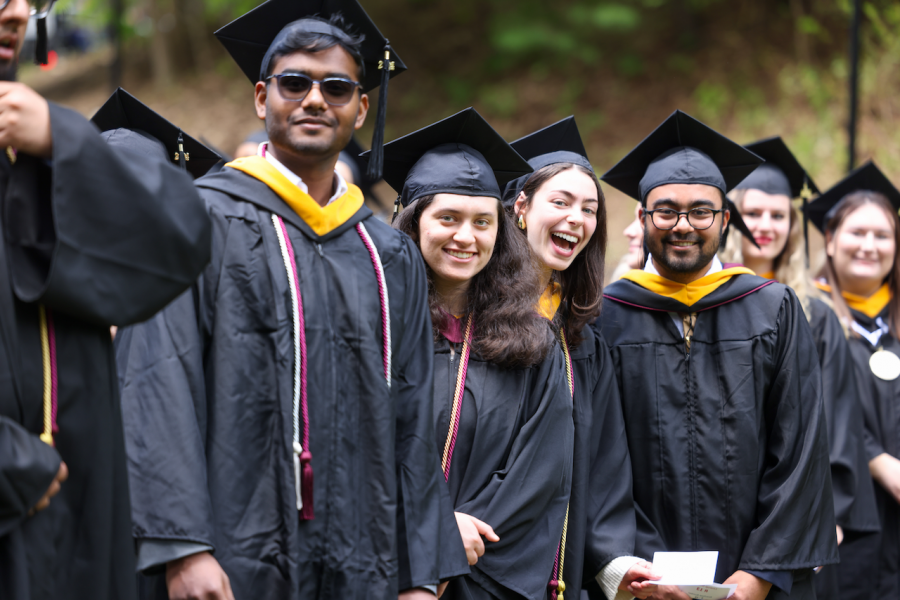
(36, 8)
(336, 91)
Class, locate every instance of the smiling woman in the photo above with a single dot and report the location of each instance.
(502, 408)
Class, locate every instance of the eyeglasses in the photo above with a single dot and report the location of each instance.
(698, 218)
(36, 8)
(336, 91)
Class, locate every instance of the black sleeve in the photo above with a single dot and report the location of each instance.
(795, 511)
(611, 526)
(419, 511)
(27, 468)
(101, 233)
(854, 499)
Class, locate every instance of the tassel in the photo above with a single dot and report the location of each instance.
(805, 195)
(297, 487)
(306, 513)
(376, 161)
(40, 46)
(396, 209)
(180, 156)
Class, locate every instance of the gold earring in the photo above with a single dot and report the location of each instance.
(521, 223)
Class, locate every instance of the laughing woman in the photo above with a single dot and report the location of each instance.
(560, 210)
(861, 274)
(764, 201)
(503, 413)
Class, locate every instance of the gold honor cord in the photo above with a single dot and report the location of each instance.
(47, 435)
(457, 399)
(560, 584)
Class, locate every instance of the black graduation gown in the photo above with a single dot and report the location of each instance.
(728, 443)
(98, 236)
(601, 507)
(511, 467)
(870, 565)
(854, 495)
(207, 386)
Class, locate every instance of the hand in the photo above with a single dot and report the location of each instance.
(25, 120)
(61, 475)
(637, 580)
(442, 588)
(885, 469)
(471, 530)
(197, 577)
(663, 592)
(749, 587)
(416, 594)
(840, 534)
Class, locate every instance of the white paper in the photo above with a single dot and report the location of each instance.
(716, 591)
(693, 572)
(685, 568)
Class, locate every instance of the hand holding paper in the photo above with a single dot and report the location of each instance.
(693, 573)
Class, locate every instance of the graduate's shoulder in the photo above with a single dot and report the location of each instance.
(393, 245)
(229, 192)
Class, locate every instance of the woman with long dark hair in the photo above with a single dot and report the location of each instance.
(861, 275)
(764, 201)
(560, 210)
(503, 412)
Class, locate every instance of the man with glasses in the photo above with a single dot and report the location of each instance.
(719, 380)
(92, 234)
(278, 416)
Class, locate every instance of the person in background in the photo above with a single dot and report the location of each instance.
(634, 257)
(560, 210)
(94, 233)
(723, 386)
(250, 146)
(502, 408)
(764, 200)
(858, 217)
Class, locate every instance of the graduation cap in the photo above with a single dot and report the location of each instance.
(781, 174)
(868, 177)
(554, 144)
(350, 156)
(461, 154)
(684, 150)
(251, 38)
(124, 111)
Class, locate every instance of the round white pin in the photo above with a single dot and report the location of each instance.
(885, 365)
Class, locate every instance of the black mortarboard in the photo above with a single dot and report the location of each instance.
(461, 154)
(868, 177)
(557, 143)
(781, 174)
(124, 111)
(684, 150)
(250, 38)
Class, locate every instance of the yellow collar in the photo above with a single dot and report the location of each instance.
(690, 293)
(549, 301)
(322, 219)
(871, 306)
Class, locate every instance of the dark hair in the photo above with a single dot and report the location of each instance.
(307, 41)
(582, 282)
(847, 205)
(502, 296)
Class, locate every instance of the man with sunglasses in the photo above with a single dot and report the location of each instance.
(719, 378)
(304, 348)
(92, 234)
